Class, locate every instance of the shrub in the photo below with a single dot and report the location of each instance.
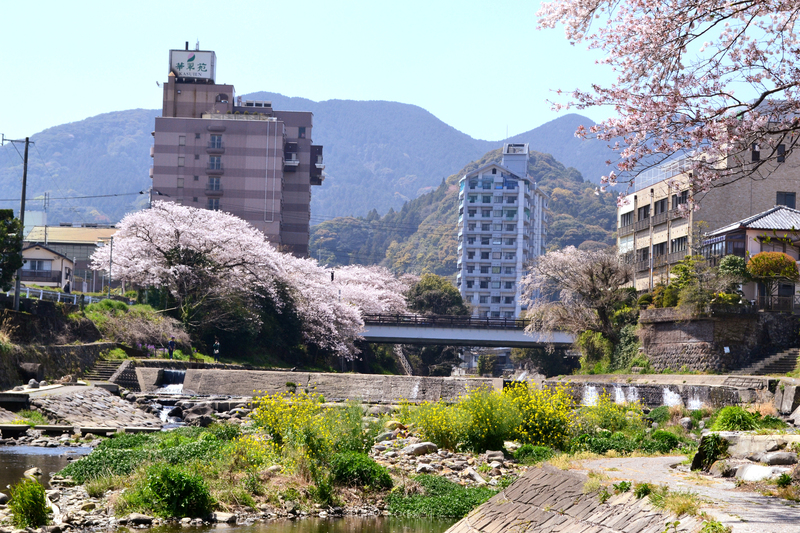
(784, 480)
(352, 468)
(666, 438)
(640, 490)
(546, 416)
(660, 414)
(28, 503)
(31, 418)
(734, 418)
(176, 493)
(530, 454)
(610, 416)
(712, 448)
(489, 418)
(104, 462)
(622, 486)
(645, 300)
(714, 526)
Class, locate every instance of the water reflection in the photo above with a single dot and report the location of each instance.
(15, 460)
(384, 524)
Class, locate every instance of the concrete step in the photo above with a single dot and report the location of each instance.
(779, 363)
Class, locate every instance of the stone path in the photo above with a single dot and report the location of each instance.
(744, 512)
(90, 406)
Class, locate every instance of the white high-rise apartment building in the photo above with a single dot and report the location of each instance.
(501, 226)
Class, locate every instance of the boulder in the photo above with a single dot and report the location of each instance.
(790, 400)
(176, 411)
(33, 384)
(33, 472)
(723, 469)
(3, 498)
(138, 519)
(424, 468)
(202, 421)
(393, 424)
(223, 518)
(31, 372)
(421, 448)
(686, 423)
(494, 456)
(779, 458)
(470, 473)
(756, 472)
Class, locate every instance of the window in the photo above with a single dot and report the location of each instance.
(486, 199)
(498, 199)
(498, 212)
(495, 270)
(470, 240)
(471, 212)
(508, 285)
(484, 284)
(473, 184)
(213, 184)
(678, 199)
(484, 255)
(511, 213)
(495, 314)
(182, 140)
(511, 199)
(677, 245)
(196, 135)
(194, 199)
(643, 254)
(495, 299)
(486, 213)
(511, 227)
(494, 171)
(216, 141)
(497, 227)
(486, 227)
(470, 283)
(180, 183)
(301, 132)
(213, 204)
(484, 269)
(483, 299)
(498, 185)
(485, 240)
(181, 161)
(472, 198)
(509, 300)
(644, 212)
(510, 270)
(511, 255)
(214, 162)
(497, 241)
(38, 265)
(626, 219)
(486, 184)
(470, 255)
(197, 178)
(756, 153)
(196, 157)
(511, 241)
(660, 249)
(496, 255)
(495, 284)
(471, 226)
(781, 153)
(661, 206)
(509, 314)
(786, 198)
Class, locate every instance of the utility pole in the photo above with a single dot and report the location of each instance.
(27, 141)
(110, 264)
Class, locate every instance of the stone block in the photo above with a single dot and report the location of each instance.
(28, 371)
(777, 400)
(757, 472)
(790, 400)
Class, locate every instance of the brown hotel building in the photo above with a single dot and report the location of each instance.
(214, 151)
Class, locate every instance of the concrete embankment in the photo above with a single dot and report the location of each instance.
(54, 361)
(370, 388)
(547, 499)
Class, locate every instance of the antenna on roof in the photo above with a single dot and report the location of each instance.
(197, 46)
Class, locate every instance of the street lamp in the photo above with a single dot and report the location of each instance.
(110, 259)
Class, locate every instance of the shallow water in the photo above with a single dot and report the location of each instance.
(15, 460)
(384, 524)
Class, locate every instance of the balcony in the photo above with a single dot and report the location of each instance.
(643, 266)
(673, 214)
(660, 218)
(41, 276)
(643, 224)
(677, 256)
(215, 148)
(625, 230)
(215, 169)
(214, 190)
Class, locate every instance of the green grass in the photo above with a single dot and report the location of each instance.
(441, 498)
(31, 418)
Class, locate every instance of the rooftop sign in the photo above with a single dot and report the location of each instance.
(192, 64)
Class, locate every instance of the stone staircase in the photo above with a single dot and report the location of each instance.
(779, 363)
(102, 370)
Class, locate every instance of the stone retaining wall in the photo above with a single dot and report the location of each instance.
(547, 499)
(674, 341)
(92, 406)
(56, 361)
(371, 388)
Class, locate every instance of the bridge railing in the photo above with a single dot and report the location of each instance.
(451, 321)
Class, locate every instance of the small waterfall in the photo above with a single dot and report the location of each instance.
(619, 395)
(415, 390)
(633, 394)
(172, 382)
(589, 395)
(695, 402)
(671, 398)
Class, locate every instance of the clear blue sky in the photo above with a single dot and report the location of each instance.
(481, 67)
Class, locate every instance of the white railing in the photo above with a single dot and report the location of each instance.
(55, 296)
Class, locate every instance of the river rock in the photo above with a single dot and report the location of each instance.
(3, 498)
(33, 472)
(756, 472)
(275, 469)
(423, 468)
(33, 384)
(470, 473)
(722, 469)
(420, 449)
(494, 456)
(176, 411)
(686, 423)
(140, 519)
(778, 458)
(223, 518)
(202, 421)
(394, 424)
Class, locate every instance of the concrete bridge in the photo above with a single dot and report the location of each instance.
(458, 331)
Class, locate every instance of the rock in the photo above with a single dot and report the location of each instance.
(387, 435)
(424, 468)
(223, 518)
(686, 423)
(139, 519)
(790, 400)
(393, 424)
(470, 473)
(186, 520)
(494, 456)
(701, 424)
(496, 464)
(176, 412)
(390, 454)
(722, 469)
(33, 472)
(420, 449)
(33, 384)
(778, 458)
(3, 498)
(275, 469)
(43, 384)
(18, 388)
(654, 425)
(755, 472)
(202, 421)
(88, 506)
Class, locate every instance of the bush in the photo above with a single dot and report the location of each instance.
(530, 454)
(645, 300)
(784, 480)
(546, 416)
(486, 362)
(610, 416)
(352, 468)
(441, 499)
(669, 440)
(734, 418)
(173, 492)
(28, 503)
(640, 490)
(104, 462)
(31, 418)
(660, 414)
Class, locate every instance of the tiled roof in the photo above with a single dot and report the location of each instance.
(780, 218)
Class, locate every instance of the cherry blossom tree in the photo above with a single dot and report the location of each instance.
(712, 80)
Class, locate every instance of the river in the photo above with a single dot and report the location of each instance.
(14, 460)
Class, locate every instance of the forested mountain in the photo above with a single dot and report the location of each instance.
(421, 236)
(378, 156)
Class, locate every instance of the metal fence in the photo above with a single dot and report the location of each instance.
(452, 321)
(55, 296)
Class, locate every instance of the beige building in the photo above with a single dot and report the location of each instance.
(651, 233)
(214, 151)
(45, 267)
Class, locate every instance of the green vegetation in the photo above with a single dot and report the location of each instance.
(734, 418)
(31, 418)
(530, 454)
(10, 257)
(28, 504)
(439, 497)
(168, 491)
(435, 295)
(713, 526)
(354, 468)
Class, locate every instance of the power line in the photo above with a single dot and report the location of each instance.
(75, 197)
